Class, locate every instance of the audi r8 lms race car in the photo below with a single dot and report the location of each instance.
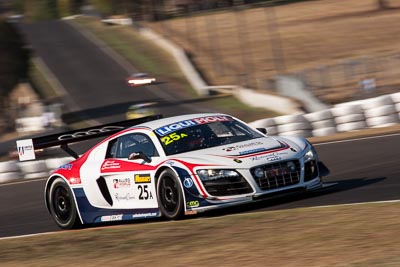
(153, 166)
(137, 79)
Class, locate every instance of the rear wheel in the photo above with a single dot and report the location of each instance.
(169, 195)
(62, 205)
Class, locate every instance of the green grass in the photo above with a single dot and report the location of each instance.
(40, 82)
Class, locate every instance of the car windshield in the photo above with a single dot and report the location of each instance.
(203, 132)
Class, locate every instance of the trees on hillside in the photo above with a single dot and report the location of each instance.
(14, 59)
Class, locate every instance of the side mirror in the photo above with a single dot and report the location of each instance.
(263, 130)
(139, 155)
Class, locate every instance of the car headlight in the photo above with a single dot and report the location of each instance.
(310, 154)
(214, 174)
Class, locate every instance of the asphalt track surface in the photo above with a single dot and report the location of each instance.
(365, 170)
(94, 80)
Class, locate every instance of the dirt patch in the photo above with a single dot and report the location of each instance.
(334, 236)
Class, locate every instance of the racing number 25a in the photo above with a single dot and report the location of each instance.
(144, 193)
(172, 137)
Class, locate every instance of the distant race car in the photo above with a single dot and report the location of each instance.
(141, 110)
(153, 166)
(137, 79)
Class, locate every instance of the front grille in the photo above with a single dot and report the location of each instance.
(227, 186)
(278, 175)
(310, 170)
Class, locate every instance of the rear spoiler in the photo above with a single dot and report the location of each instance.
(26, 148)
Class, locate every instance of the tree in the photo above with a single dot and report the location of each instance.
(14, 59)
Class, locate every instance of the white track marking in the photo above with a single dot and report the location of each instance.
(22, 236)
(356, 139)
(23, 182)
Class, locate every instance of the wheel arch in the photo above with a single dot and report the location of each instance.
(49, 182)
(157, 176)
(47, 188)
(163, 168)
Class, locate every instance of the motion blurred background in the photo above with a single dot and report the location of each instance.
(340, 50)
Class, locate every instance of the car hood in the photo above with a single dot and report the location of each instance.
(247, 154)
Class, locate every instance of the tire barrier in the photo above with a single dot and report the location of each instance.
(9, 171)
(268, 123)
(349, 117)
(396, 103)
(376, 112)
(295, 124)
(322, 122)
(381, 111)
(33, 169)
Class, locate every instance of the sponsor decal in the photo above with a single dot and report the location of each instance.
(267, 157)
(170, 163)
(252, 151)
(122, 183)
(188, 182)
(144, 192)
(89, 132)
(167, 129)
(67, 167)
(111, 218)
(25, 149)
(193, 204)
(232, 148)
(124, 197)
(237, 160)
(144, 215)
(169, 139)
(110, 164)
(142, 178)
(75, 180)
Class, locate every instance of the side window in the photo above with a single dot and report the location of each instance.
(112, 149)
(123, 146)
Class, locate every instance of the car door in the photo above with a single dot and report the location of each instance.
(131, 182)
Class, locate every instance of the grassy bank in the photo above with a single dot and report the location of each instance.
(359, 235)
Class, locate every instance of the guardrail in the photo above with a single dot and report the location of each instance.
(381, 111)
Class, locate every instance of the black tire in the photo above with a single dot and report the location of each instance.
(169, 195)
(62, 205)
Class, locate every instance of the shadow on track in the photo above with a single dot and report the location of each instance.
(274, 203)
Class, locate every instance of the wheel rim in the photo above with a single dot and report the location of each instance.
(170, 194)
(62, 204)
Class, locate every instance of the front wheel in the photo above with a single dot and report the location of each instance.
(169, 195)
(62, 205)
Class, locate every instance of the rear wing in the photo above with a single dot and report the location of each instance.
(26, 148)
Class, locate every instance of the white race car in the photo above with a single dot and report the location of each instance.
(151, 167)
(137, 79)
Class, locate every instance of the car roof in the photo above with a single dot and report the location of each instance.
(174, 119)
